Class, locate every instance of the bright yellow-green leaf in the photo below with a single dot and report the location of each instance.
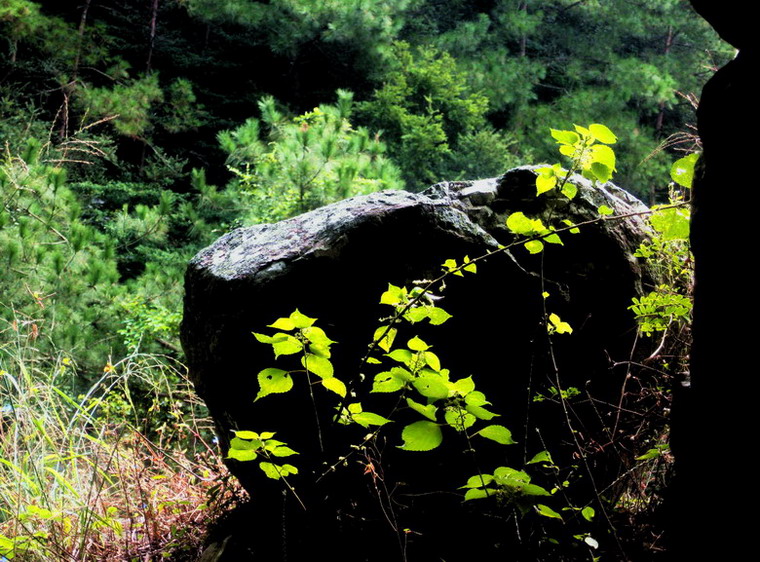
(301, 320)
(519, 223)
(387, 340)
(564, 137)
(547, 511)
(416, 344)
(545, 183)
(602, 133)
(682, 171)
(283, 324)
(604, 210)
(431, 387)
(427, 410)
(421, 436)
(287, 345)
(242, 454)
(273, 381)
(320, 366)
(497, 433)
(335, 385)
(534, 246)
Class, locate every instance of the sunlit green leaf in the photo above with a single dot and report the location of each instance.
(320, 366)
(335, 385)
(301, 320)
(428, 410)
(534, 246)
(431, 387)
(476, 494)
(283, 324)
(421, 436)
(547, 511)
(416, 344)
(387, 340)
(497, 433)
(565, 137)
(242, 454)
(682, 171)
(273, 381)
(519, 223)
(588, 513)
(366, 419)
(602, 133)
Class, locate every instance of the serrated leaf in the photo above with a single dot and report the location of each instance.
(275, 471)
(497, 433)
(602, 133)
(287, 345)
(320, 366)
(366, 419)
(335, 385)
(534, 246)
(506, 474)
(431, 387)
(564, 137)
(282, 451)
(416, 344)
(421, 436)
(416, 314)
(603, 154)
(402, 356)
(431, 359)
(464, 386)
(387, 382)
(317, 336)
(246, 434)
(476, 398)
(428, 410)
(273, 381)
(437, 315)
(301, 321)
(242, 454)
(387, 341)
(547, 511)
(244, 445)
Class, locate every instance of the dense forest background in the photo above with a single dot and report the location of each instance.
(134, 132)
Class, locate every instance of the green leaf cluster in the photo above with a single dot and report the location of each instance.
(249, 446)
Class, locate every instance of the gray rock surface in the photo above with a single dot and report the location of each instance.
(333, 264)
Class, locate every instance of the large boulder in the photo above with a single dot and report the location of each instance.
(376, 501)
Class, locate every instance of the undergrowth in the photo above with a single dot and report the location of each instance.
(124, 470)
